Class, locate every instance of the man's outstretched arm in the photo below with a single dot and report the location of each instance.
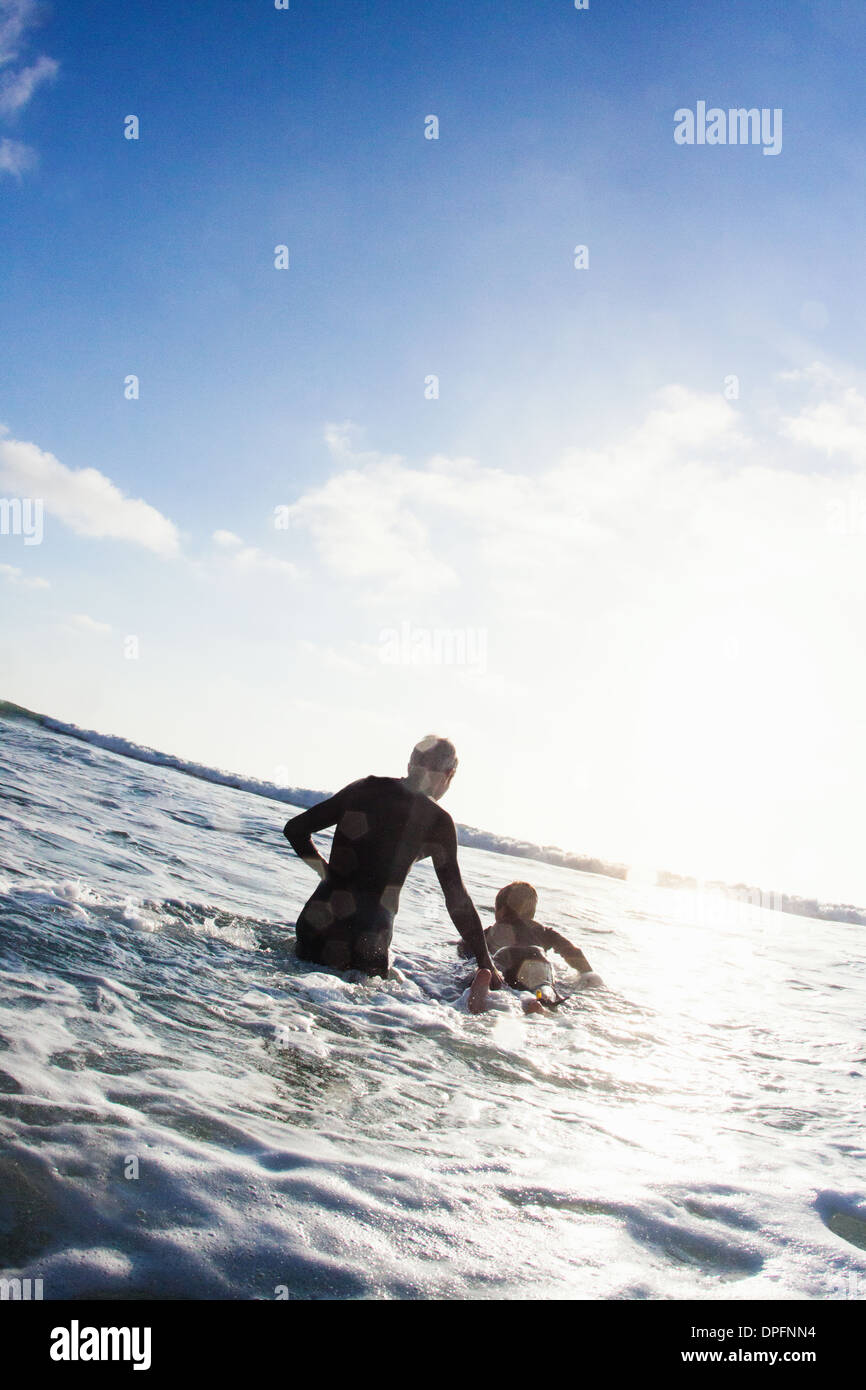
(300, 830)
(460, 907)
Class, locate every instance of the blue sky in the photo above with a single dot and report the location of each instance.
(667, 577)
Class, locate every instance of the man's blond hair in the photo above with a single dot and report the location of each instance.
(434, 754)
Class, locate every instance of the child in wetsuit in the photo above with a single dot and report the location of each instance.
(517, 944)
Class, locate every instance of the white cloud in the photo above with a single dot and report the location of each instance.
(16, 88)
(249, 559)
(364, 526)
(835, 423)
(686, 420)
(17, 577)
(238, 557)
(16, 157)
(416, 531)
(84, 499)
(686, 491)
(16, 17)
(83, 623)
(19, 83)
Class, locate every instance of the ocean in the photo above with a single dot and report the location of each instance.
(189, 1112)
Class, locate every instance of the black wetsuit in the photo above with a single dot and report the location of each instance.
(382, 829)
(517, 931)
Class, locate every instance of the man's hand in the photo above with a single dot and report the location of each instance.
(315, 862)
(300, 829)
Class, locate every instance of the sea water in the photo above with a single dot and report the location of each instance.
(188, 1111)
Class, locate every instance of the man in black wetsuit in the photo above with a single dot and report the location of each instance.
(383, 826)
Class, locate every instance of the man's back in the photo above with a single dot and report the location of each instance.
(382, 828)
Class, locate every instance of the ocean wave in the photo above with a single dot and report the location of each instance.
(739, 895)
(125, 748)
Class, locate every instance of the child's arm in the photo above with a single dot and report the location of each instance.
(551, 940)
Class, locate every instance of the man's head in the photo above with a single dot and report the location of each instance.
(515, 900)
(432, 765)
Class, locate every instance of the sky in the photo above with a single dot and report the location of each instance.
(598, 514)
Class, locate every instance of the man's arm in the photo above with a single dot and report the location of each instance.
(463, 950)
(458, 902)
(552, 940)
(300, 830)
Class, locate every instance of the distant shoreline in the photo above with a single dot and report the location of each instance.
(467, 835)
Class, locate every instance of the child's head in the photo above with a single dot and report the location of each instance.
(516, 900)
